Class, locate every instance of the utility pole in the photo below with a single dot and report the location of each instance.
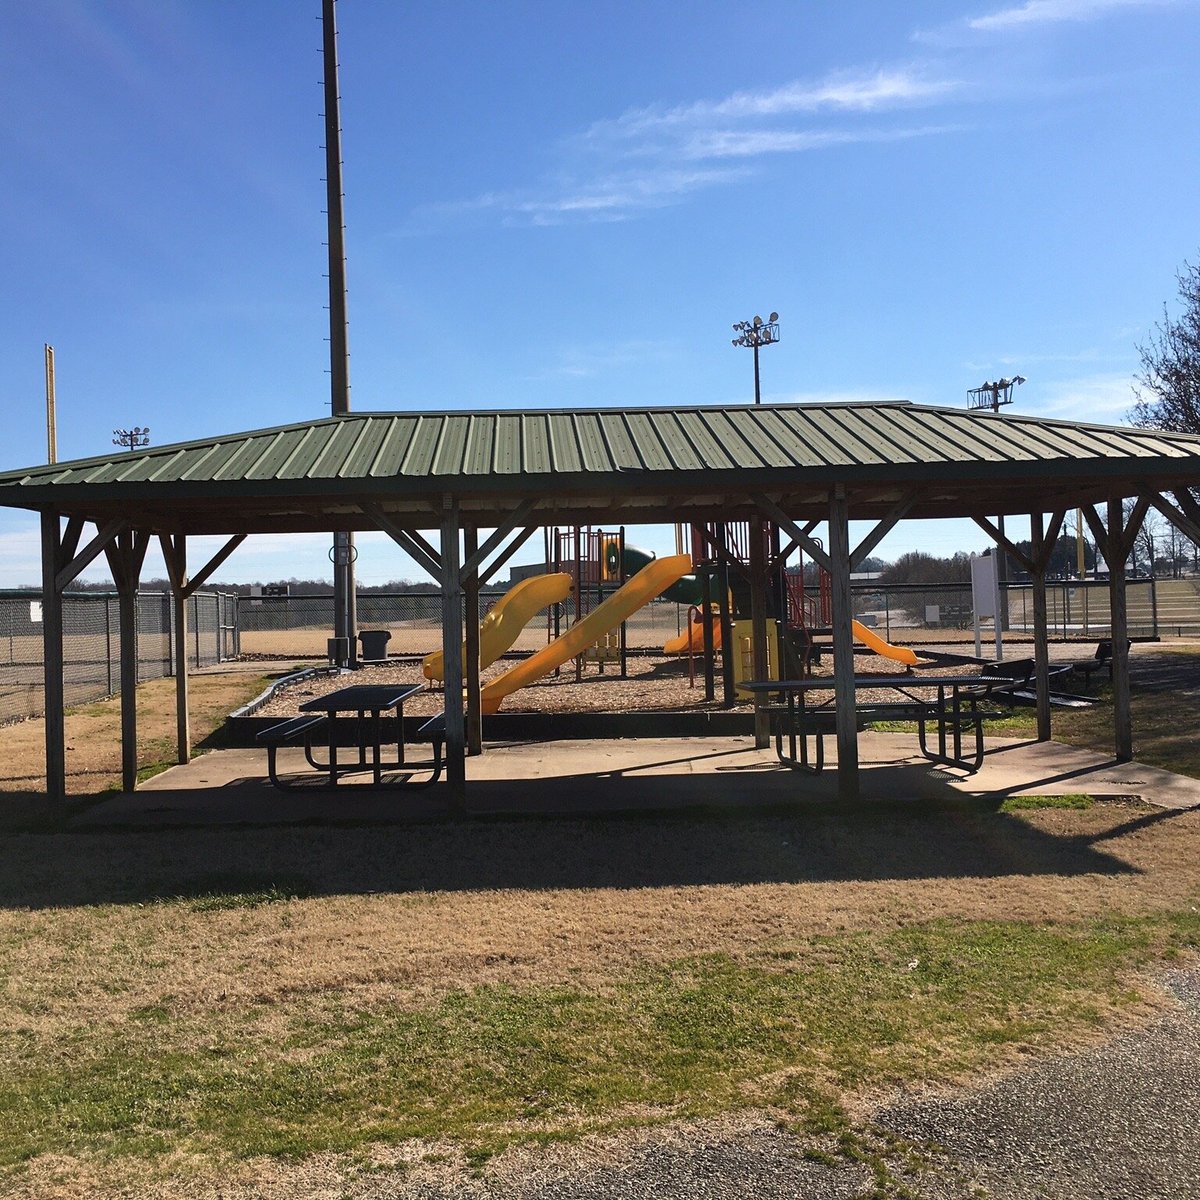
(51, 409)
(343, 552)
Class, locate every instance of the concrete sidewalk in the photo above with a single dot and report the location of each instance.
(229, 787)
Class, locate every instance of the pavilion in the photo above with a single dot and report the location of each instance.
(434, 480)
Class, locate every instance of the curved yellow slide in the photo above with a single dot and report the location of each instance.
(510, 614)
(873, 642)
(652, 580)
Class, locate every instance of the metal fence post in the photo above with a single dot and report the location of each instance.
(108, 642)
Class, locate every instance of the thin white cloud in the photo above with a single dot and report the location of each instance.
(1103, 399)
(1009, 364)
(657, 156)
(842, 92)
(617, 197)
(614, 197)
(585, 362)
(1046, 12)
(728, 143)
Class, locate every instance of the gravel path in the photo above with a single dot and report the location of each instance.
(1113, 1122)
(1117, 1121)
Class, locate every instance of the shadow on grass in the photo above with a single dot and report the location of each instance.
(871, 842)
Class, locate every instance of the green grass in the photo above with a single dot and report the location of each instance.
(801, 1029)
(1025, 803)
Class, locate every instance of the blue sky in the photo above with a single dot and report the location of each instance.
(568, 204)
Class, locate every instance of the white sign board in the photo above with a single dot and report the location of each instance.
(985, 598)
(35, 611)
(983, 585)
(933, 614)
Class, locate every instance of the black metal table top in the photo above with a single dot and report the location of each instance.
(825, 682)
(363, 697)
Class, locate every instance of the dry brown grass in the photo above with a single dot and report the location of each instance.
(428, 932)
(93, 733)
(404, 917)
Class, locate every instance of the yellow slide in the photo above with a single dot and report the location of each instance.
(873, 642)
(511, 613)
(652, 580)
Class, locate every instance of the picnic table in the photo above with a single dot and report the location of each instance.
(948, 703)
(317, 730)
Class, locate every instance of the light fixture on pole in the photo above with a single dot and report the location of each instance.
(991, 396)
(754, 334)
(132, 439)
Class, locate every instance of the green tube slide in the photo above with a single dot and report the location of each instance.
(686, 590)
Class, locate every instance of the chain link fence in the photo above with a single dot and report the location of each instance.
(222, 626)
(299, 626)
(1076, 609)
(92, 644)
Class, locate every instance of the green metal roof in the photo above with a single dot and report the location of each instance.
(645, 462)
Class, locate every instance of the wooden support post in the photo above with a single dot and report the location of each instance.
(120, 560)
(728, 649)
(1041, 644)
(843, 647)
(709, 642)
(183, 729)
(452, 655)
(1115, 554)
(758, 630)
(174, 550)
(52, 667)
(471, 665)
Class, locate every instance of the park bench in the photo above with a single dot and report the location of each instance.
(434, 732)
(1087, 667)
(287, 733)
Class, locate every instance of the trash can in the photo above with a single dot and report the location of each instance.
(374, 644)
(338, 649)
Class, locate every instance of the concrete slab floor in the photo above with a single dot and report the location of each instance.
(580, 777)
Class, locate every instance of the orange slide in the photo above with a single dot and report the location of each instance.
(691, 640)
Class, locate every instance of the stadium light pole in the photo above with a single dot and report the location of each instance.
(993, 396)
(755, 334)
(132, 439)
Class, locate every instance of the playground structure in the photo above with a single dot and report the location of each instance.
(651, 581)
(607, 580)
(511, 613)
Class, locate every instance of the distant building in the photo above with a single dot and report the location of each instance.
(528, 571)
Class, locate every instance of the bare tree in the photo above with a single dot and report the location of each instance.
(1146, 545)
(1168, 386)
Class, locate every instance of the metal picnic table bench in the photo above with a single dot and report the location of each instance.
(953, 710)
(317, 729)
